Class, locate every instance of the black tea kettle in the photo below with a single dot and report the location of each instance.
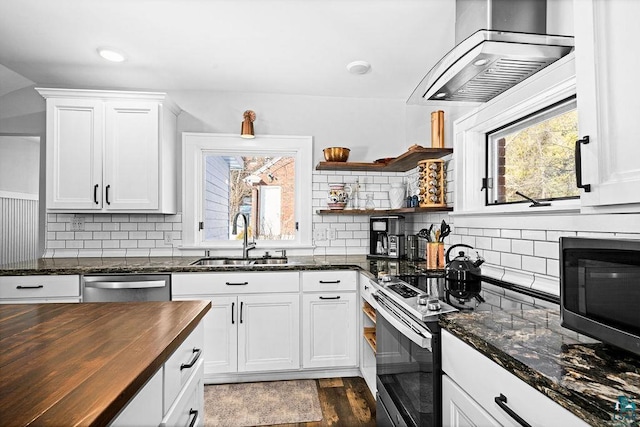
(462, 275)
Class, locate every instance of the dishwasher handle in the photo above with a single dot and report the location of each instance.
(138, 284)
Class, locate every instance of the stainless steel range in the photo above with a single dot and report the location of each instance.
(408, 352)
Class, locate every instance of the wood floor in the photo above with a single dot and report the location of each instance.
(344, 402)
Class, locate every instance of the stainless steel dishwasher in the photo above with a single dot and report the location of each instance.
(126, 287)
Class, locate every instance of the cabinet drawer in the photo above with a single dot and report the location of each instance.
(483, 380)
(188, 408)
(234, 283)
(182, 364)
(334, 280)
(44, 286)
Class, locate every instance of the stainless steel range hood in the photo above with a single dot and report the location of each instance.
(508, 47)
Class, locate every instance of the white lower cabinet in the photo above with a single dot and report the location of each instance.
(329, 330)
(460, 410)
(174, 396)
(254, 322)
(268, 332)
(39, 289)
(472, 382)
(329, 319)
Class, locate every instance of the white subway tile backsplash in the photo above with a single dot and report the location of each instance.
(511, 234)
(553, 267)
(491, 232)
(101, 235)
(110, 244)
(534, 235)
(65, 235)
(93, 244)
(83, 235)
(546, 249)
(119, 235)
(128, 243)
(502, 245)
(111, 226)
(554, 236)
(511, 260)
(56, 226)
(524, 247)
(534, 264)
(137, 235)
(483, 243)
(144, 226)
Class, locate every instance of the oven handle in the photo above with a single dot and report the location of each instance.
(415, 336)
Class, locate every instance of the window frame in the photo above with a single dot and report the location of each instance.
(547, 87)
(530, 119)
(194, 147)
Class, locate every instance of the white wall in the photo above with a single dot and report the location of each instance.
(20, 164)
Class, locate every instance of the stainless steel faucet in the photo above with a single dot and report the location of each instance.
(246, 246)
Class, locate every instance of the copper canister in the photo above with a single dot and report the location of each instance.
(437, 129)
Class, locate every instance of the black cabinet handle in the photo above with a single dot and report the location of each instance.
(241, 304)
(194, 413)
(502, 403)
(329, 281)
(197, 352)
(578, 155)
(233, 308)
(338, 297)
(95, 194)
(107, 194)
(366, 288)
(30, 287)
(236, 283)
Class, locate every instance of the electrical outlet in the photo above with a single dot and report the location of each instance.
(319, 234)
(77, 223)
(331, 233)
(168, 238)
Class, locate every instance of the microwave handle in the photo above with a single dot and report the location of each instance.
(418, 338)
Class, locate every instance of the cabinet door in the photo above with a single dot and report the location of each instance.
(329, 330)
(145, 408)
(460, 410)
(220, 336)
(268, 332)
(74, 153)
(131, 155)
(608, 102)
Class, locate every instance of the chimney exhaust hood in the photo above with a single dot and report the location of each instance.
(487, 62)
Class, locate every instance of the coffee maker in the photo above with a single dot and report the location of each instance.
(386, 236)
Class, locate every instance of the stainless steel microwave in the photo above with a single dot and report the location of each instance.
(600, 289)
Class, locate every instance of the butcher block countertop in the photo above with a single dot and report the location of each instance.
(79, 364)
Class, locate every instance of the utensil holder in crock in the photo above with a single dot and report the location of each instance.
(435, 255)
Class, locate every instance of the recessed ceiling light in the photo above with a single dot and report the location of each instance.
(111, 54)
(441, 94)
(480, 62)
(359, 67)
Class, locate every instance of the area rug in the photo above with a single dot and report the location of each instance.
(263, 403)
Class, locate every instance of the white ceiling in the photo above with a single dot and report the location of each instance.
(271, 46)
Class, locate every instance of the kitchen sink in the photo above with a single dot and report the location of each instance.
(212, 262)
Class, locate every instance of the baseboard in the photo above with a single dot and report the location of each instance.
(245, 377)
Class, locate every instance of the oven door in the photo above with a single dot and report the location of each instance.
(408, 369)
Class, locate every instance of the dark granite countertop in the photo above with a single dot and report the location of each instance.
(59, 266)
(122, 265)
(582, 375)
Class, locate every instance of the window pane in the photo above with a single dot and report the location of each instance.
(535, 157)
(260, 187)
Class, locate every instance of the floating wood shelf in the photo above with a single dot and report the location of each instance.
(369, 311)
(402, 163)
(370, 336)
(382, 211)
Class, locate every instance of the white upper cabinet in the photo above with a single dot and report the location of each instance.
(111, 151)
(608, 103)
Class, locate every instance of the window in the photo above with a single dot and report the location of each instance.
(533, 156)
(266, 179)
